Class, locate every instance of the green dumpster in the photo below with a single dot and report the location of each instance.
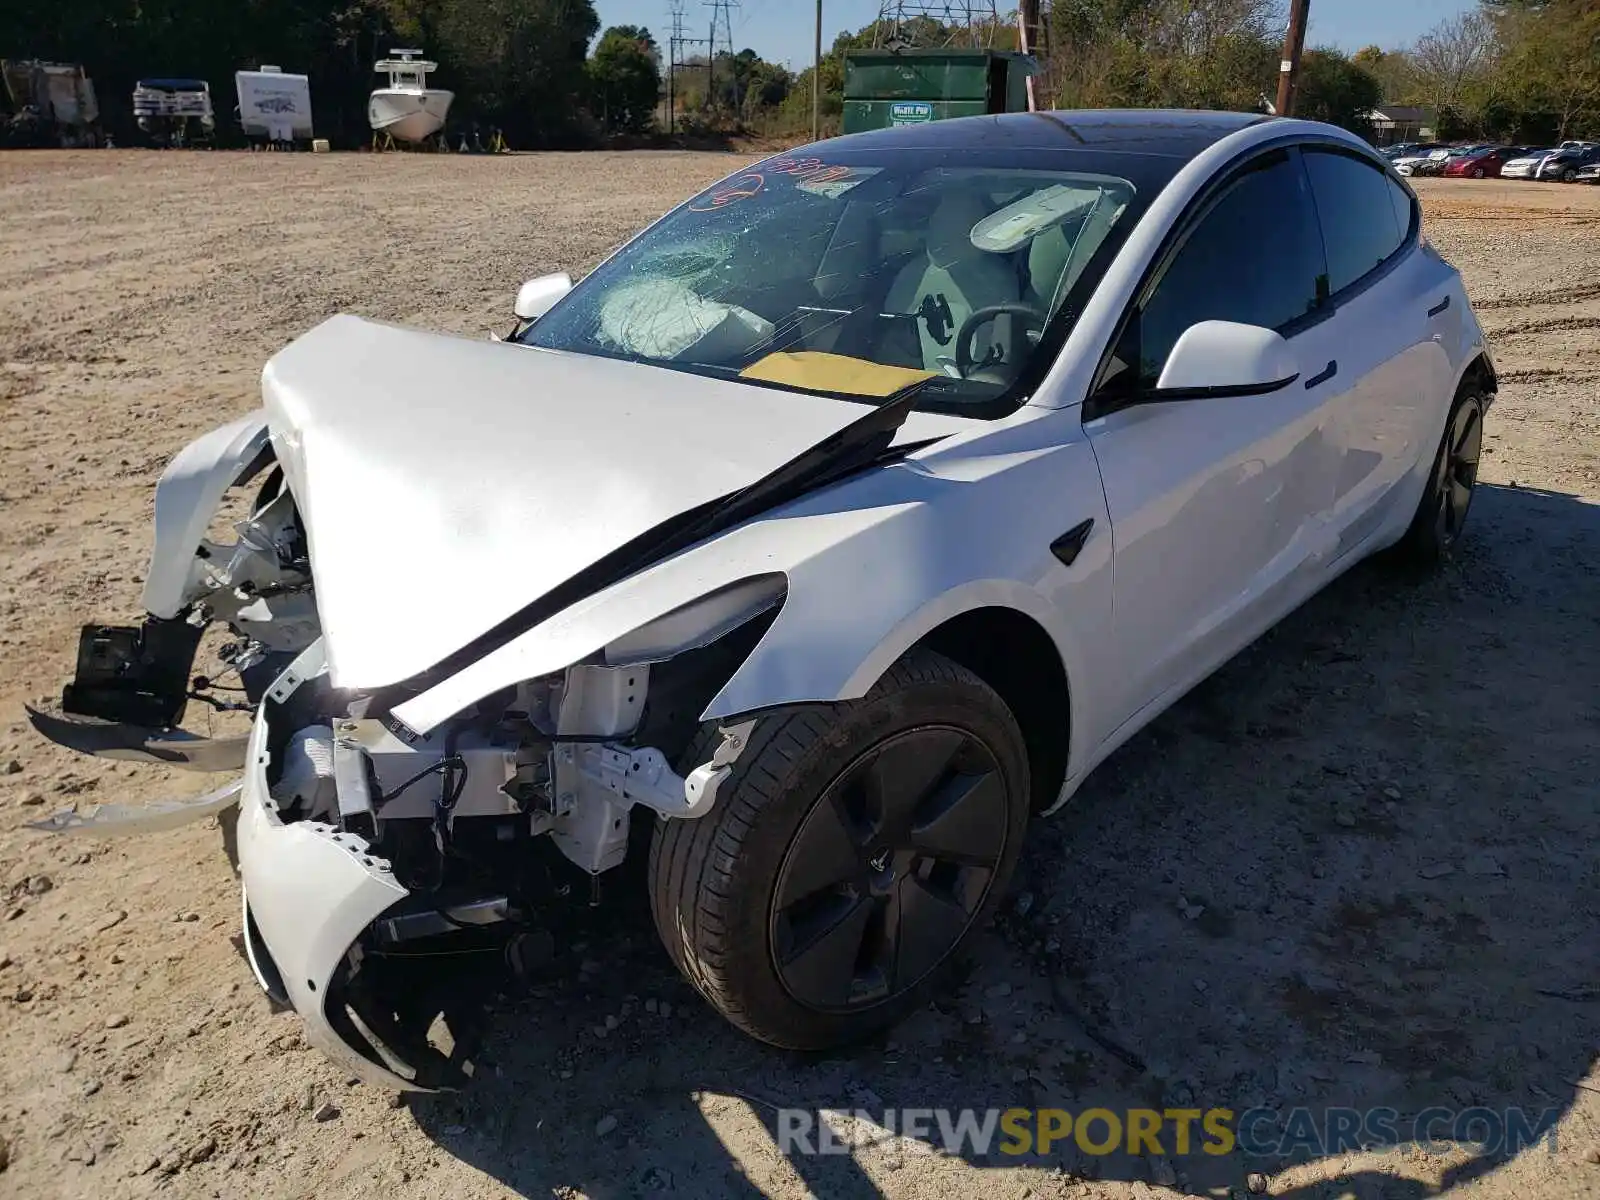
(907, 87)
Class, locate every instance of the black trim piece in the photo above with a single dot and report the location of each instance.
(865, 442)
(1322, 376)
(1218, 392)
(1439, 307)
(1070, 544)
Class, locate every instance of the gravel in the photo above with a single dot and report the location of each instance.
(140, 294)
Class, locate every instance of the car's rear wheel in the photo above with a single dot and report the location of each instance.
(852, 853)
(1442, 513)
(1477, 172)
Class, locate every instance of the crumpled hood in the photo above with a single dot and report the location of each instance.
(444, 483)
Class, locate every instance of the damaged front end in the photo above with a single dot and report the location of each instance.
(134, 684)
(428, 805)
(390, 878)
(372, 856)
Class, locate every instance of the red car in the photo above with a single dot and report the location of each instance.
(1485, 164)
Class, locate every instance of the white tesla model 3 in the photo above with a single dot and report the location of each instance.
(831, 528)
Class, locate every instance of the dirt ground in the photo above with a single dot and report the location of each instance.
(1355, 868)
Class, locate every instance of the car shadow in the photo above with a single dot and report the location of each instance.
(1345, 873)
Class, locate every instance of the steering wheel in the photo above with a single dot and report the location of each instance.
(1032, 319)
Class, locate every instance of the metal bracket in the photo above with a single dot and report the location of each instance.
(308, 664)
(643, 775)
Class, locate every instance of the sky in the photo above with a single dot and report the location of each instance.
(781, 30)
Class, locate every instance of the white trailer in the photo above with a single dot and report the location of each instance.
(274, 105)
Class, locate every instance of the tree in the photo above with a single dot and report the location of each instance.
(1181, 53)
(625, 78)
(1551, 61)
(1391, 68)
(1335, 89)
(1452, 61)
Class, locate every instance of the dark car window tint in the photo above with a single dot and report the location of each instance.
(1401, 202)
(1254, 258)
(1357, 215)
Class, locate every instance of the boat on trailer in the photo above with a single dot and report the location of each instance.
(408, 110)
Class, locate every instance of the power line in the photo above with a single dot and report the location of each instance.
(676, 41)
(971, 23)
(721, 15)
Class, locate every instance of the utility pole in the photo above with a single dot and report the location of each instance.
(1294, 40)
(816, 79)
(1027, 36)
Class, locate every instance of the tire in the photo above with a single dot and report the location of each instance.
(736, 896)
(1477, 172)
(1441, 514)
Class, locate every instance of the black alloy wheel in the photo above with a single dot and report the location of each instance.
(1442, 512)
(852, 852)
(889, 869)
(1457, 470)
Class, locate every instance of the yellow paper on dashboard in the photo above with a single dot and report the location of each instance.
(818, 371)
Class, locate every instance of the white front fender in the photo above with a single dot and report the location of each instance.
(186, 499)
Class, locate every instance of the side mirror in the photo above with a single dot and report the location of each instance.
(538, 296)
(1224, 358)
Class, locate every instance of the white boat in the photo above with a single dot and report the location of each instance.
(408, 109)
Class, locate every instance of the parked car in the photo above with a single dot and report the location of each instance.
(1417, 163)
(837, 524)
(1525, 165)
(1565, 162)
(1588, 174)
(1482, 163)
(1407, 149)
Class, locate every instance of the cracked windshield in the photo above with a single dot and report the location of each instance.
(855, 276)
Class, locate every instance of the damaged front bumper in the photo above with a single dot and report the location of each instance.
(310, 891)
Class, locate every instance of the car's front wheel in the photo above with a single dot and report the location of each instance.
(853, 851)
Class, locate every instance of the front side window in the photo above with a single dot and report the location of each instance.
(1357, 213)
(856, 275)
(1253, 257)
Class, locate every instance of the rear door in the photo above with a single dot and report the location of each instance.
(1215, 503)
(1389, 300)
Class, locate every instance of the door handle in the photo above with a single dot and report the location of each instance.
(1439, 307)
(1322, 376)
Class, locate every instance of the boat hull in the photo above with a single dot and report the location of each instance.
(408, 114)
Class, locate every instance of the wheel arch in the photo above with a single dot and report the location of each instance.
(998, 629)
(1013, 654)
(1479, 372)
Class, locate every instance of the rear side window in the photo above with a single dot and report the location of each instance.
(1357, 213)
(1254, 257)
